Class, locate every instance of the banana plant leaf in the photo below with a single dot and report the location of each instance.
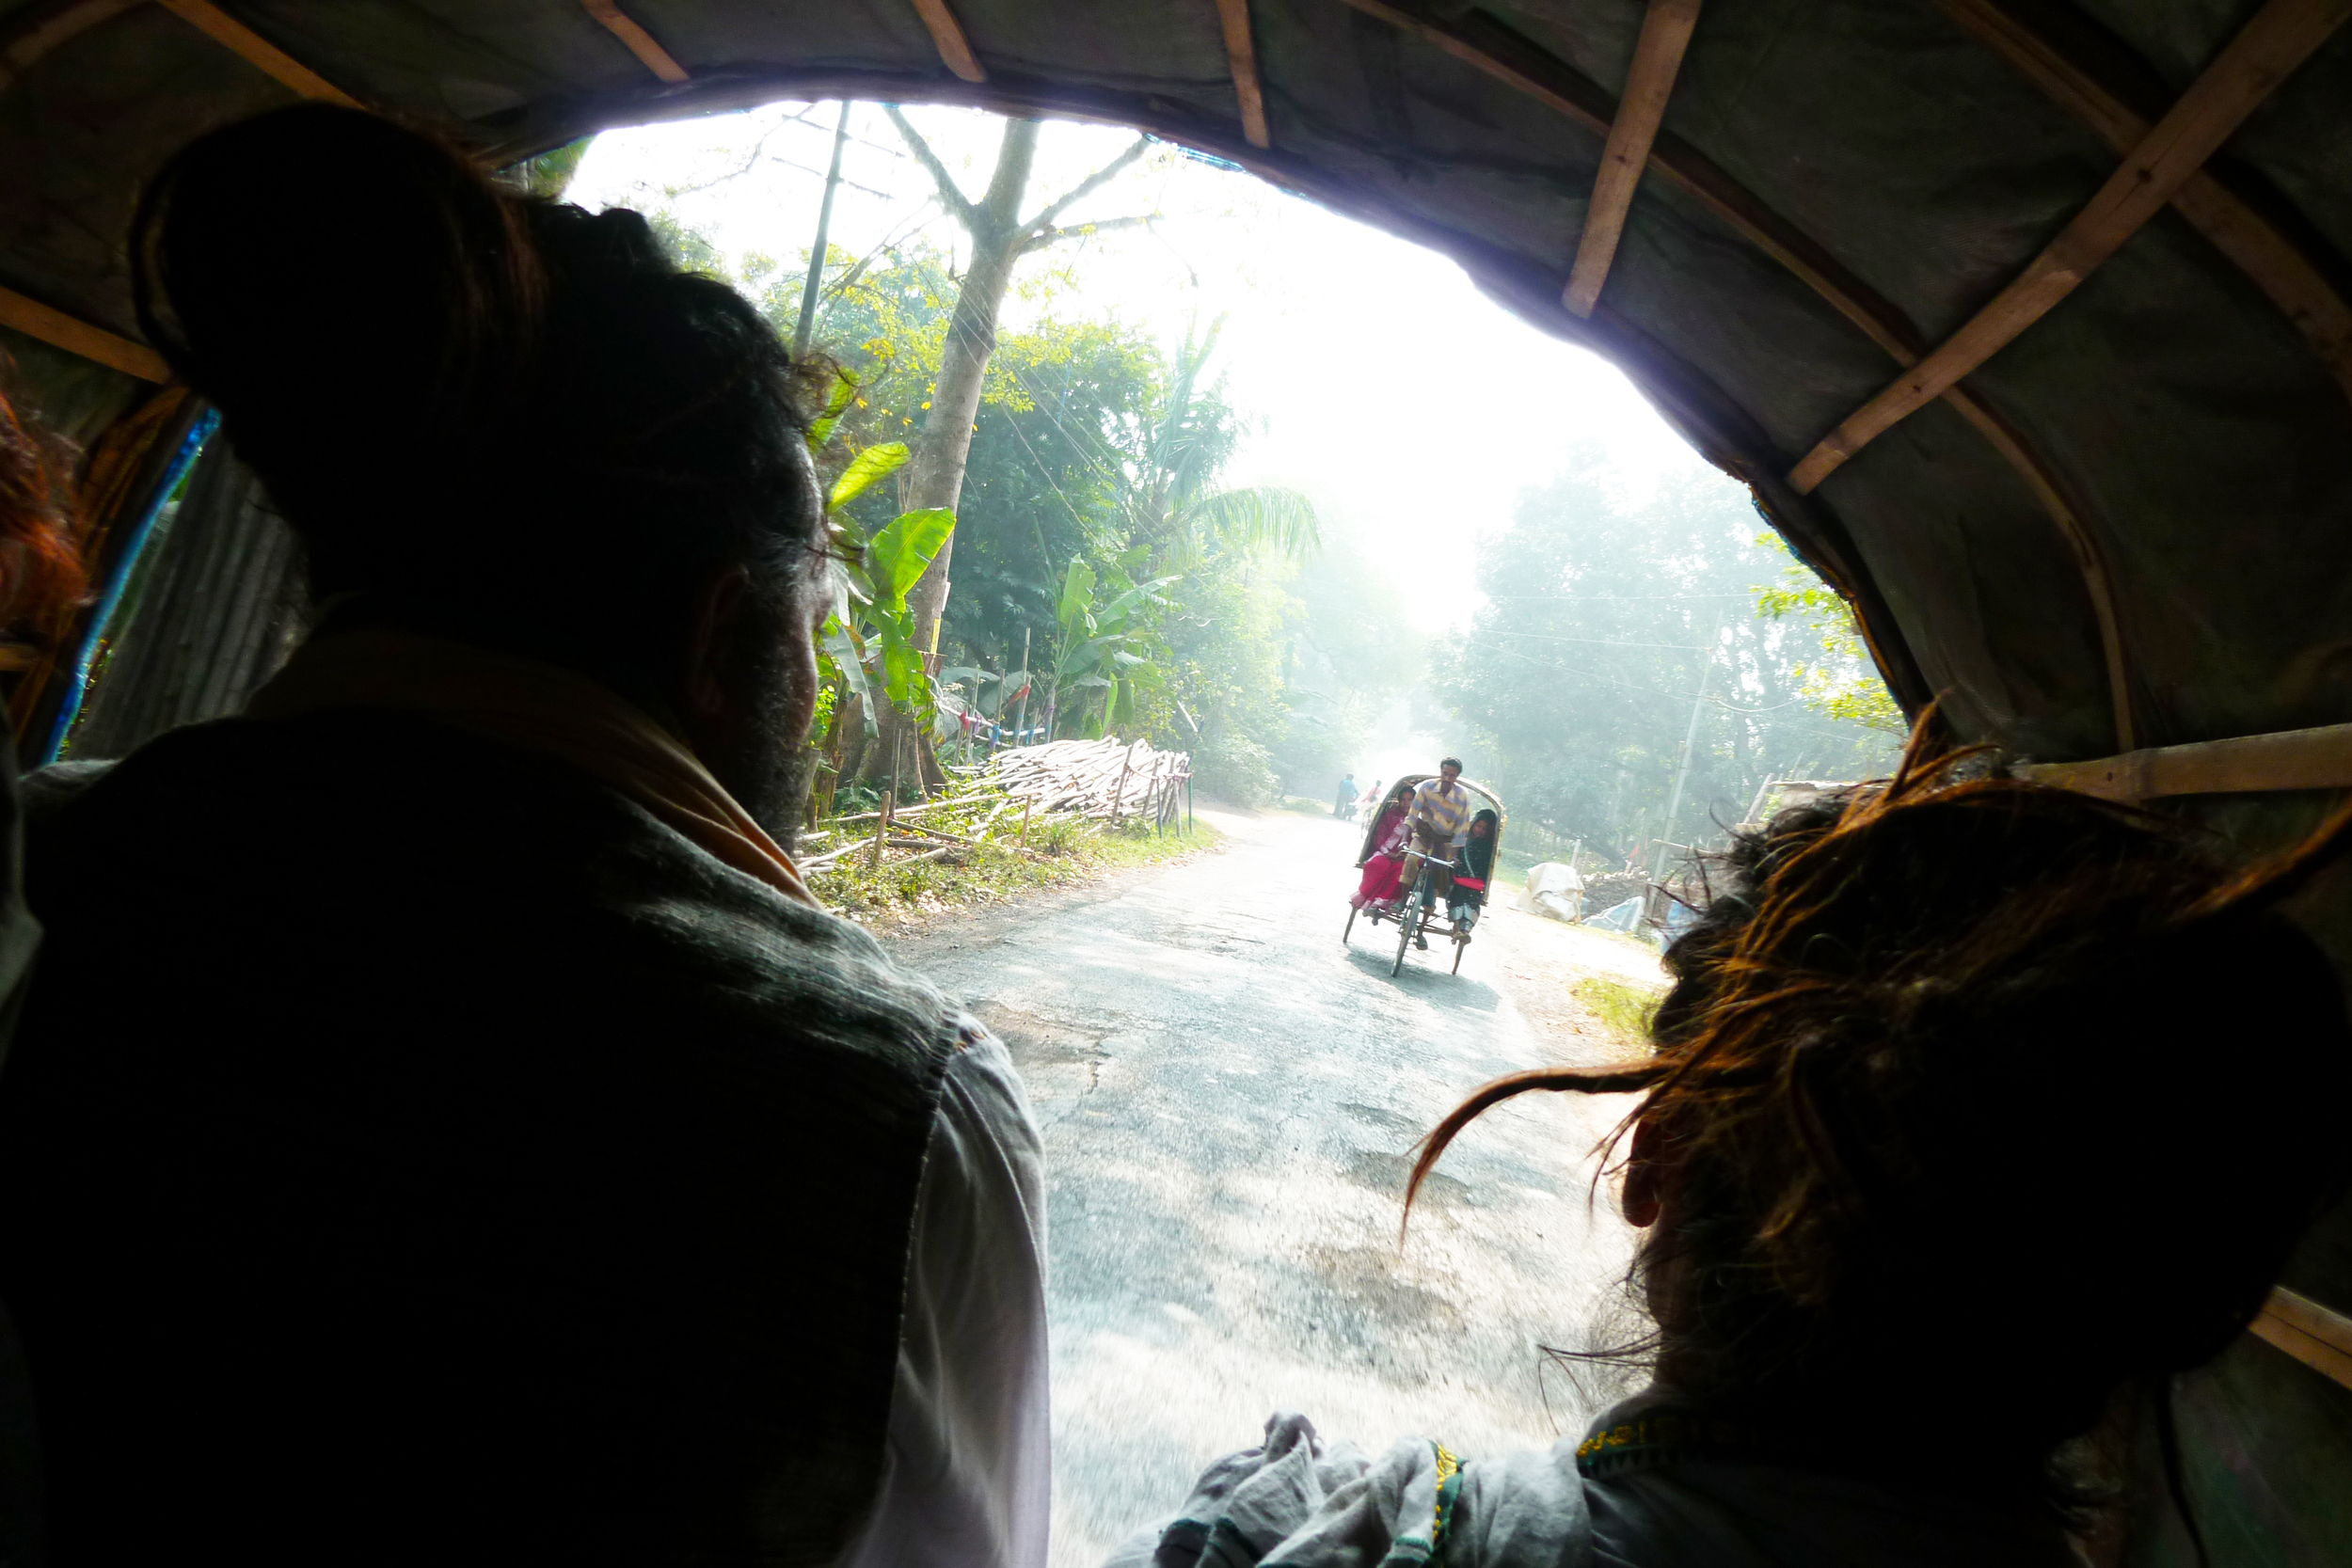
(903, 548)
(866, 470)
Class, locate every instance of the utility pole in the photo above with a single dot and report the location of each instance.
(1690, 736)
(1023, 723)
(824, 227)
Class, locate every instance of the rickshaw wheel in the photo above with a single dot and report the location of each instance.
(1406, 925)
(1460, 941)
(1351, 925)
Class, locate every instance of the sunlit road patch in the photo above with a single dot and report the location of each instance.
(1230, 1100)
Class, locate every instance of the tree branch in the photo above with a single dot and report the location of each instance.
(1044, 237)
(949, 196)
(888, 248)
(759, 150)
(1092, 182)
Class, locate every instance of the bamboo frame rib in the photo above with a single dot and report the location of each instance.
(640, 43)
(2313, 1334)
(257, 51)
(2243, 764)
(1559, 87)
(59, 331)
(1241, 55)
(1657, 57)
(49, 29)
(2265, 53)
(955, 50)
(2257, 249)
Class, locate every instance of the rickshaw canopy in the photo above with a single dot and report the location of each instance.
(2027, 324)
(1409, 781)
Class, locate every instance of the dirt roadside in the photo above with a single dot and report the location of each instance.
(1541, 962)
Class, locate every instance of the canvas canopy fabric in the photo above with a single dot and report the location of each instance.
(1879, 160)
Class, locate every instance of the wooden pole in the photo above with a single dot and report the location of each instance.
(1119, 795)
(257, 51)
(1022, 723)
(808, 323)
(639, 41)
(1024, 824)
(948, 37)
(1689, 739)
(59, 331)
(2267, 50)
(881, 826)
(1657, 54)
(1241, 58)
(2277, 264)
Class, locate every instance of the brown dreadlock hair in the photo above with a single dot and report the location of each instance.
(1974, 1102)
(39, 567)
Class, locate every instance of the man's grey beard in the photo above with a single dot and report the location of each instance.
(771, 768)
(775, 790)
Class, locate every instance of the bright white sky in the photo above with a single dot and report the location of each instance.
(1386, 387)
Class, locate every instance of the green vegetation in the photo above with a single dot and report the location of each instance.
(1625, 1009)
(1057, 851)
(1639, 671)
(1095, 525)
(1616, 630)
(1844, 685)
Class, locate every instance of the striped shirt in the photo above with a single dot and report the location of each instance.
(1442, 812)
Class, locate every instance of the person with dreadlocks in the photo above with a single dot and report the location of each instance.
(1926, 1231)
(41, 580)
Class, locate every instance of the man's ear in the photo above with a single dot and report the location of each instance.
(1644, 1175)
(717, 609)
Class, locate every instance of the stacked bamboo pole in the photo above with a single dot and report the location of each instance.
(1103, 780)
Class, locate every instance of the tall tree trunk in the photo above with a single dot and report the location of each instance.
(936, 471)
(1000, 236)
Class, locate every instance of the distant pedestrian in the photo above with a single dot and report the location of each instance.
(1345, 804)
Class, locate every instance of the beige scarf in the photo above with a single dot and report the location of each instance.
(538, 707)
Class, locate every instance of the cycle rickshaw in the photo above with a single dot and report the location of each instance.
(1427, 879)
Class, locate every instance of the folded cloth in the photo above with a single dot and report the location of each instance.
(1634, 1489)
(538, 706)
(1297, 1499)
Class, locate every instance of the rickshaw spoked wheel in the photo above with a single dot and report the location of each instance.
(1351, 925)
(1408, 923)
(1461, 941)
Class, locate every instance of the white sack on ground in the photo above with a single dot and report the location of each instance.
(1558, 891)
(1562, 906)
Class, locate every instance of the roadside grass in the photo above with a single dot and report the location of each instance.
(1625, 1010)
(1624, 939)
(1001, 867)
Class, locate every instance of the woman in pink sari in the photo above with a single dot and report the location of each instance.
(1383, 868)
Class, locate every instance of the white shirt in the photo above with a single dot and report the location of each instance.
(967, 1478)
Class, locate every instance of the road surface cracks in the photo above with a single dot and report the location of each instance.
(1230, 1100)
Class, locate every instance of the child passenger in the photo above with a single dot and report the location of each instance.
(1957, 1142)
(1473, 867)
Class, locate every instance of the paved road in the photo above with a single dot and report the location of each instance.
(1228, 1096)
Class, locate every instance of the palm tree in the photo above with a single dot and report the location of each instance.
(1175, 504)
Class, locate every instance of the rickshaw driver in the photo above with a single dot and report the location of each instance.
(1440, 826)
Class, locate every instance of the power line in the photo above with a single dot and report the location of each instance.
(1609, 598)
(1604, 642)
(1853, 737)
